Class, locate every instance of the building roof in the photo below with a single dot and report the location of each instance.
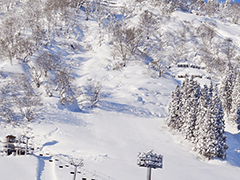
(10, 136)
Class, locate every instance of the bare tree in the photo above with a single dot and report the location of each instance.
(9, 39)
(90, 95)
(6, 110)
(47, 62)
(36, 75)
(235, 13)
(28, 105)
(125, 43)
(229, 48)
(64, 80)
(146, 23)
(23, 97)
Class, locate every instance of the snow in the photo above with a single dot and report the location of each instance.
(128, 120)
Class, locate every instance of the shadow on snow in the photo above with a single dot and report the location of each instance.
(233, 152)
(124, 108)
(42, 159)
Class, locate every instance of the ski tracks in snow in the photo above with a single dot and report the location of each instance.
(45, 171)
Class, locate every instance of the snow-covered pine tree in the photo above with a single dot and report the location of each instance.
(236, 94)
(173, 110)
(190, 119)
(184, 103)
(201, 113)
(210, 90)
(207, 140)
(226, 89)
(221, 146)
(210, 138)
(235, 112)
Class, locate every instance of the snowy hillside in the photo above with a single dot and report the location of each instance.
(132, 66)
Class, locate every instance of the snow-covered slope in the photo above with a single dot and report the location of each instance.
(129, 119)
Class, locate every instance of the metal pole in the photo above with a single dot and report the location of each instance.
(75, 173)
(149, 173)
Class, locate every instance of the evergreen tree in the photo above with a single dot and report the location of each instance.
(190, 119)
(210, 90)
(201, 113)
(235, 112)
(173, 119)
(227, 85)
(221, 146)
(206, 140)
(211, 141)
(184, 103)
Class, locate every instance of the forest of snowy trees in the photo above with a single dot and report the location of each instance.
(200, 113)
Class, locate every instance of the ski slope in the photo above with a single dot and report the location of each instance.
(128, 120)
